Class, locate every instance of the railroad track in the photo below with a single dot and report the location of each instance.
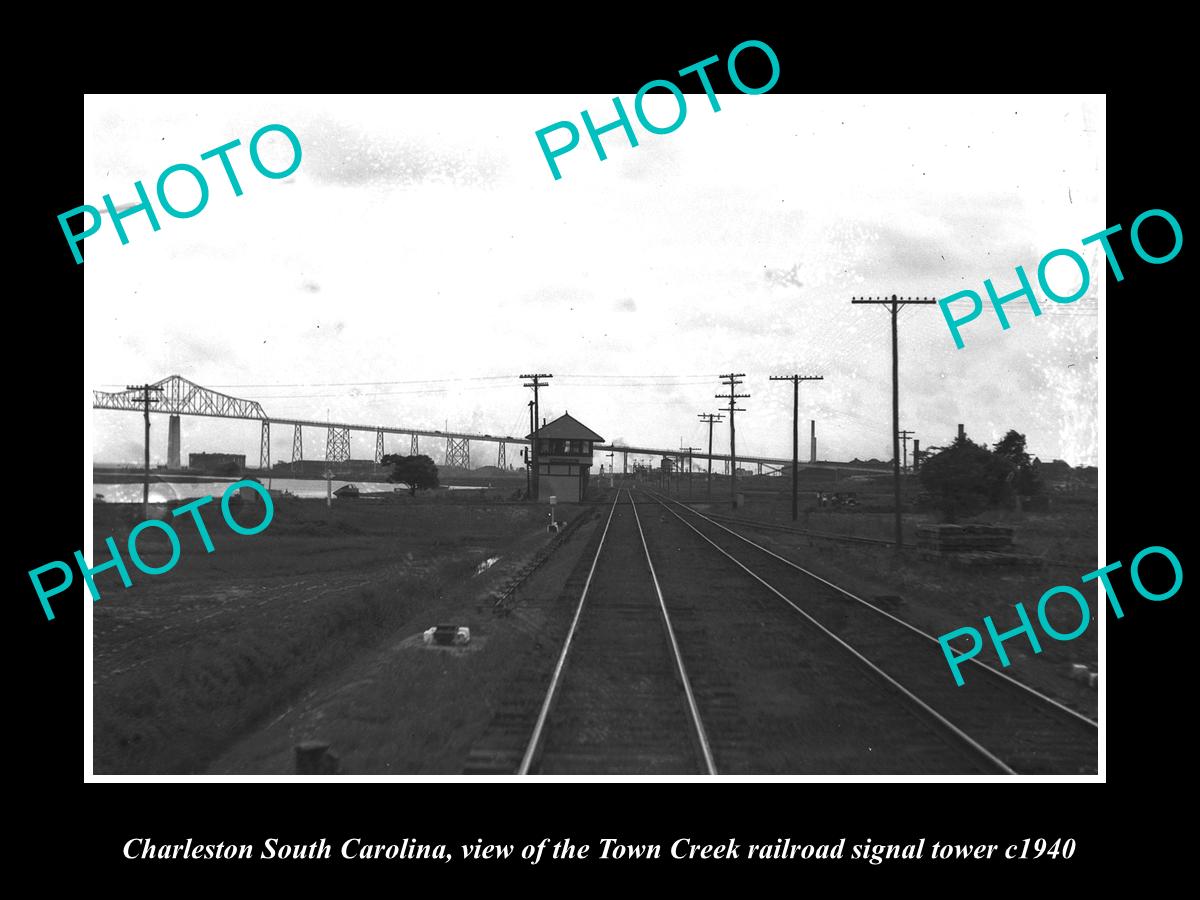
(825, 535)
(681, 660)
(618, 699)
(1007, 726)
(676, 661)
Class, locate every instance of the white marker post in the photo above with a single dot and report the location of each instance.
(329, 487)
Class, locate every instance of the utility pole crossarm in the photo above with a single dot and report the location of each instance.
(888, 301)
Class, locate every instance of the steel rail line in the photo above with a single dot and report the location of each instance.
(990, 758)
(536, 738)
(982, 665)
(772, 526)
(701, 735)
(535, 745)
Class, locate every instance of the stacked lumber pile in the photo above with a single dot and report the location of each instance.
(986, 558)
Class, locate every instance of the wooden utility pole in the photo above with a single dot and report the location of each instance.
(795, 380)
(710, 418)
(689, 451)
(732, 380)
(535, 382)
(529, 455)
(895, 304)
(146, 389)
(904, 436)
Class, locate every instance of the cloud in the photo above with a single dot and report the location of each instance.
(625, 304)
(784, 277)
(557, 295)
(650, 162)
(338, 154)
(189, 350)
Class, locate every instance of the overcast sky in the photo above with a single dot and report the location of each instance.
(422, 256)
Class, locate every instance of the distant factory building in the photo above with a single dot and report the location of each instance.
(217, 463)
(564, 458)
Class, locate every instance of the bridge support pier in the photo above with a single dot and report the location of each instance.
(501, 455)
(414, 451)
(298, 446)
(458, 453)
(264, 453)
(378, 447)
(337, 444)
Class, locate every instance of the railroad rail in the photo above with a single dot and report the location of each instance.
(623, 703)
(773, 526)
(1011, 727)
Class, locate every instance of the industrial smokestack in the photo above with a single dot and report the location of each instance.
(916, 455)
(173, 454)
(812, 455)
(961, 432)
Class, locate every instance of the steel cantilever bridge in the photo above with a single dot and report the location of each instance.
(179, 397)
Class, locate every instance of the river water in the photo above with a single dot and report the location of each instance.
(164, 491)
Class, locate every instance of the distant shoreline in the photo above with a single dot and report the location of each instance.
(111, 475)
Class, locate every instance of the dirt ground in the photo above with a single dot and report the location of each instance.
(188, 663)
(407, 707)
(310, 630)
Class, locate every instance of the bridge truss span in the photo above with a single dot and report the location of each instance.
(182, 397)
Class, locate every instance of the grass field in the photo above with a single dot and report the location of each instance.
(188, 661)
(306, 629)
(1065, 532)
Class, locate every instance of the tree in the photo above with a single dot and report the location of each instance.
(415, 471)
(967, 478)
(1011, 447)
